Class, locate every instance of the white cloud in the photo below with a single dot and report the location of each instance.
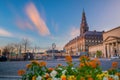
(22, 24)
(36, 19)
(5, 33)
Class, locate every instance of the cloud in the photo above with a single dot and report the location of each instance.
(20, 21)
(74, 32)
(36, 19)
(24, 24)
(5, 33)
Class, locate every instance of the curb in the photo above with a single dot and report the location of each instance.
(14, 77)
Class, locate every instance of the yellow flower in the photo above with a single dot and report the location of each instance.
(63, 77)
(49, 79)
(34, 78)
(21, 72)
(42, 63)
(99, 76)
(71, 78)
(105, 73)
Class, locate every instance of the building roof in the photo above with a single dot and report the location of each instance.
(112, 29)
(87, 33)
(92, 33)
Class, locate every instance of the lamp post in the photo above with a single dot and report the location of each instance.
(53, 47)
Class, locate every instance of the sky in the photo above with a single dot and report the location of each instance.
(44, 22)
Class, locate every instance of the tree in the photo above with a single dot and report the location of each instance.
(98, 53)
(8, 49)
(25, 44)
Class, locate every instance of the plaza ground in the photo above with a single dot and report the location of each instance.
(8, 70)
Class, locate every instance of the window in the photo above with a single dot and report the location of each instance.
(89, 40)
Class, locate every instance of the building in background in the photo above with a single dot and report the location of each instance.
(111, 44)
(85, 39)
(1, 51)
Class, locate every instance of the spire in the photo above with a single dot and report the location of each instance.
(83, 17)
(84, 26)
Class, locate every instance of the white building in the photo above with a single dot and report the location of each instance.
(111, 43)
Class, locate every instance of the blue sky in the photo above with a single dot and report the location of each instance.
(44, 22)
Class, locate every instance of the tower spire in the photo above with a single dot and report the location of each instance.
(84, 26)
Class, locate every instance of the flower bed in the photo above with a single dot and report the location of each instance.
(86, 70)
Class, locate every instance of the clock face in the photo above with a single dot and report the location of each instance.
(53, 45)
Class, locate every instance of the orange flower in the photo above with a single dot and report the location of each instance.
(110, 78)
(90, 78)
(114, 64)
(68, 58)
(82, 65)
(35, 62)
(63, 77)
(93, 64)
(21, 72)
(82, 78)
(59, 65)
(42, 63)
(34, 78)
(97, 61)
(47, 75)
(28, 66)
(50, 69)
(118, 74)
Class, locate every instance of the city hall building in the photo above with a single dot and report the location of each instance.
(85, 39)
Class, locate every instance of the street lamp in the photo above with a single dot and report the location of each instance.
(53, 47)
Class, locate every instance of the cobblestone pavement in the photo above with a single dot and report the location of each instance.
(11, 68)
